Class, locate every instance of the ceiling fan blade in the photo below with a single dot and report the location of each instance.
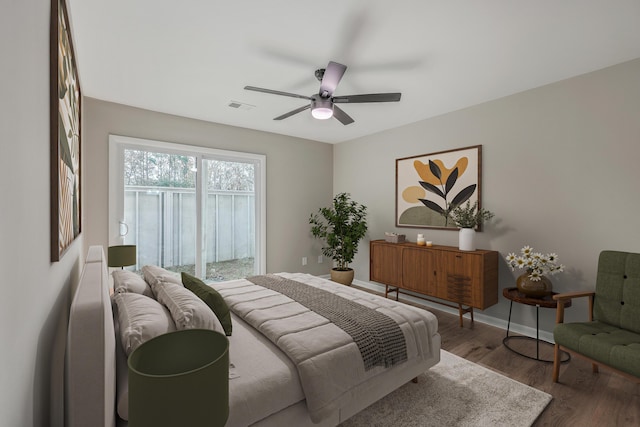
(291, 113)
(332, 76)
(370, 97)
(353, 32)
(342, 117)
(276, 92)
(296, 59)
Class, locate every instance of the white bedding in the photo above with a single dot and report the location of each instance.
(328, 361)
(262, 381)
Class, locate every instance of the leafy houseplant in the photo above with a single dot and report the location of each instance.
(341, 225)
(468, 217)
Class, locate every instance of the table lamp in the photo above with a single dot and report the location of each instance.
(121, 255)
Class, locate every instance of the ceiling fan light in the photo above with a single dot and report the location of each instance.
(322, 109)
(322, 113)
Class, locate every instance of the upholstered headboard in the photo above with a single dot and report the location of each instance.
(90, 381)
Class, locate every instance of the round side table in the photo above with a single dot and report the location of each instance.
(513, 295)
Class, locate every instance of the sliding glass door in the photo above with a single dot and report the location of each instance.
(188, 208)
(229, 218)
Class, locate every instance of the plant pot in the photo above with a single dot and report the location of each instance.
(344, 277)
(467, 239)
(537, 289)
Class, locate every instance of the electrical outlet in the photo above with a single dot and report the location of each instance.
(304, 260)
(320, 259)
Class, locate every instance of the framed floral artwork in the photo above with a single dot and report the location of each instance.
(65, 134)
(430, 186)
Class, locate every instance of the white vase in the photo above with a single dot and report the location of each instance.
(467, 239)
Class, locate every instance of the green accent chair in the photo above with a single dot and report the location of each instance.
(611, 337)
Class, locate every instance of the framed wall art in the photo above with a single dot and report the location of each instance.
(430, 186)
(65, 134)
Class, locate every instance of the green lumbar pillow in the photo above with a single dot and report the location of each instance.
(211, 297)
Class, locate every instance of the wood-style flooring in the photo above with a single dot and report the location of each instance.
(580, 398)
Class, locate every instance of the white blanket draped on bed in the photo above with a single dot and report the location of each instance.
(328, 360)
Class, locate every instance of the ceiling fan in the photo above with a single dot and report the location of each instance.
(322, 104)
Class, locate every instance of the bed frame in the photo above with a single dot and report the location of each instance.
(91, 349)
(90, 383)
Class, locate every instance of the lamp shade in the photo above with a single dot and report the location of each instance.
(122, 255)
(180, 379)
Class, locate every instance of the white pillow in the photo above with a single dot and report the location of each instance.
(187, 310)
(127, 281)
(155, 275)
(141, 318)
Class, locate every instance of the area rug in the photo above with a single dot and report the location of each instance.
(456, 392)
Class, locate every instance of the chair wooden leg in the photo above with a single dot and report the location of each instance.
(556, 363)
(594, 368)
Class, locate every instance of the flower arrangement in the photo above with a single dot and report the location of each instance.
(535, 263)
(469, 216)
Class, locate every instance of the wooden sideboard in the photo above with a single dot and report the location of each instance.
(468, 279)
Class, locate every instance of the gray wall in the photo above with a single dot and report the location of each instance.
(298, 174)
(35, 293)
(560, 169)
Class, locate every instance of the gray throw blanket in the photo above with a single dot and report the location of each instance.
(378, 337)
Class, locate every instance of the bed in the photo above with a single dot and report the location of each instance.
(269, 385)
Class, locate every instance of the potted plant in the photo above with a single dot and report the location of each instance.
(341, 225)
(467, 218)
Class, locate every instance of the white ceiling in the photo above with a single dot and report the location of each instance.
(193, 57)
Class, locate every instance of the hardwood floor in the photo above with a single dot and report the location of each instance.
(581, 398)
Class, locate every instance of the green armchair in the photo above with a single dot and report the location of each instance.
(611, 337)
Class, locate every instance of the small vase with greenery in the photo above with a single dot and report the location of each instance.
(342, 226)
(467, 218)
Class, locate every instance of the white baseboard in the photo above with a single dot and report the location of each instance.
(478, 317)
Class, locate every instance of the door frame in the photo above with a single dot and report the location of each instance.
(117, 145)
